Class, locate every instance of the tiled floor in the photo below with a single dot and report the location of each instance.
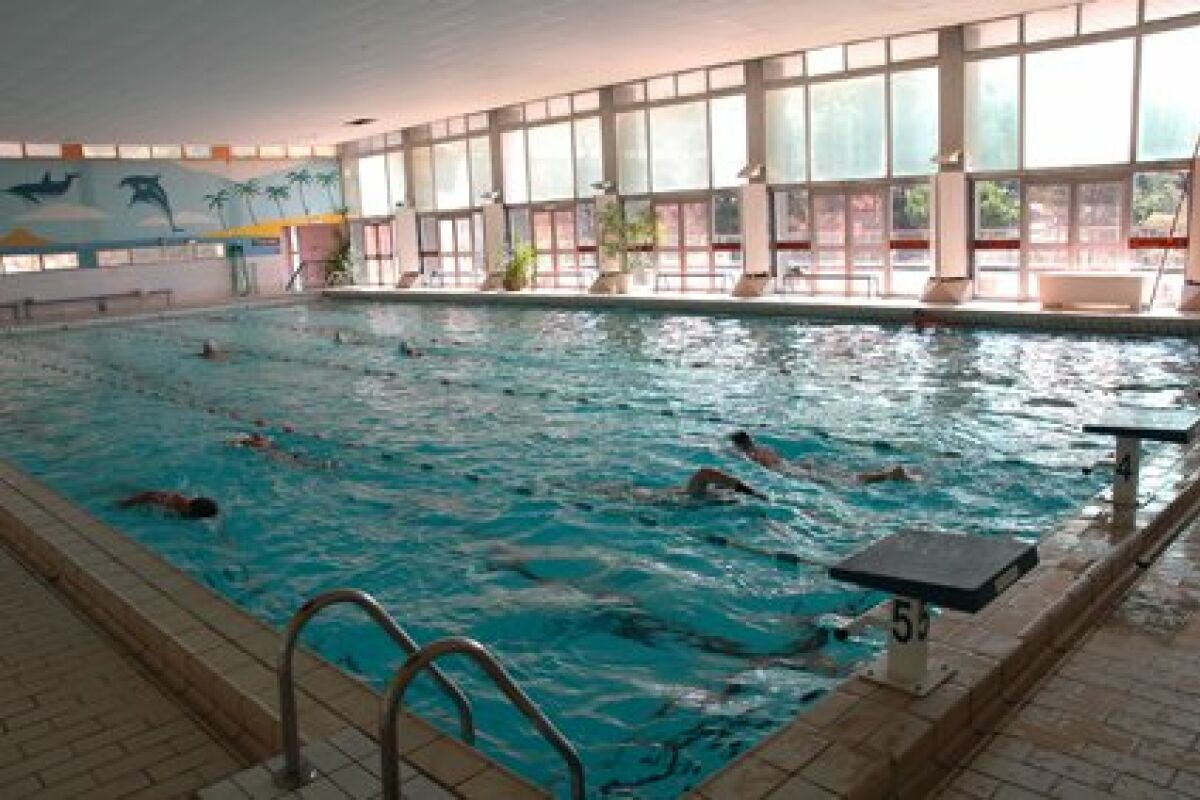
(78, 718)
(1120, 715)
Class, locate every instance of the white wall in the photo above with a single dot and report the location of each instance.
(192, 281)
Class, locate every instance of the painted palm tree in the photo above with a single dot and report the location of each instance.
(247, 190)
(216, 202)
(279, 194)
(328, 180)
(301, 178)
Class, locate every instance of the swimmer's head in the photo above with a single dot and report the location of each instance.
(742, 441)
(202, 507)
(210, 349)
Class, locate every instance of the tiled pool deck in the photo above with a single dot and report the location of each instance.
(200, 673)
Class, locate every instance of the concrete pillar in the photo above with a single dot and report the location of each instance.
(756, 229)
(608, 137)
(950, 216)
(495, 236)
(1189, 298)
(496, 147)
(407, 248)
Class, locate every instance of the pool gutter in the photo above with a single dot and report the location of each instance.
(1016, 316)
(215, 657)
(867, 741)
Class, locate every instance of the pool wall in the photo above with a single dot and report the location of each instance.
(865, 741)
(217, 658)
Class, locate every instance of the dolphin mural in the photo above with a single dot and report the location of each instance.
(148, 189)
(33, 192)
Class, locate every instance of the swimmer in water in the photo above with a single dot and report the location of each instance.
(264, 444)
(706, 479)
(173, 502)
(211, 351)
(408, 351)
(769, 459)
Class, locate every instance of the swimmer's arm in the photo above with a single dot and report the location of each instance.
(706, 477)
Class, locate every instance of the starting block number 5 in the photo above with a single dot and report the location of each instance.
(909, 618)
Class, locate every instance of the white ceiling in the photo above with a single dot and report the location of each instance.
(291, 71)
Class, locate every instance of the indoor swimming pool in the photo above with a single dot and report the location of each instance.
(509, 474)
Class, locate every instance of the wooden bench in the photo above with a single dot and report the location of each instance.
(1131, 428)
(1081, 289)
(101, 300)
(962, 573)
(791, 276)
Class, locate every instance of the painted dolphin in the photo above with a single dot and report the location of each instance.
(32, 192)
(147, 189)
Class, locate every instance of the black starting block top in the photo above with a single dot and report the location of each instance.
(962, 573)
(1156, 425)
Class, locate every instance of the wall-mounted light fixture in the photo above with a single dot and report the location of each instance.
(490, 197)
(750, 172)
(399, 204)
(603, 187)
(950, 159)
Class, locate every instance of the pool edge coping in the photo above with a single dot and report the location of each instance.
(865, 741)
(213, 657)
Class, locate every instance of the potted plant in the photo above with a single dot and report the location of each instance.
(521, 266)
(339, 269)
(618, 235)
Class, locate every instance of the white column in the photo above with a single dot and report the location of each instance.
(495, 236)
(407, 249)
(1189, 299)
(756, 229)
(951, 247)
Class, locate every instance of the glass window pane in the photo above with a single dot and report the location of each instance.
(173, 151)
(910, 211)
(787, 147)
(1053, 23)
(551, 174)
(560, 106)
(668, 225)
(1155, 201)
(1168, 118)
(1049, 213)
(422, 178)
(695, 224)
(791, 215)
(439, 129)
(914, 121)
(564, 230)
(373, 186)
(133, 151)
(516, 176)
(1162, 9)
(866, 54)
(998, 210)
(477, 122)
(691, 83)
(589, 156)
(519, 225)
(726, 77)
(783, 67)
(60, 261)
(679, 147)
(543, 230)
(917, 45)
(996, 33)
(452, 175)
(660, 88)
(632, 158)
(1107, 15)
(535, 111)
(100, 151)
(992, 94)
(396, 180)
(34, 150)
(191, 151)
(847, 129)
(585, 101)
(21, 264)
(826, 60)
(1077, 108)
(585, 216)
(728, 139)
(727, 217)
(481, 168)
(629, 93)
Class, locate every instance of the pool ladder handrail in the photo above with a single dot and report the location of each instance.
(295, 771)
(461, 645)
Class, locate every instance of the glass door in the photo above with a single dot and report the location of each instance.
(1047, 245)
(451, 249)
(867, 225)
(379, 263)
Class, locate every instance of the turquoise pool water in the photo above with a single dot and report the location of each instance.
(494, 488)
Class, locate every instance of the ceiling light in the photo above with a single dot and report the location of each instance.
(360, 121)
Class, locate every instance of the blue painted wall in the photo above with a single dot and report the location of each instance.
(54, 205)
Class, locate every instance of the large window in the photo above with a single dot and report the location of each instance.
(373, 186)
(451, 175)
(914, 121)
(553, 162)
(787, 153)
(551, 174)
(1075, 105)
(992, 104)
(681, 147)
(1169, 110)
(848, 140)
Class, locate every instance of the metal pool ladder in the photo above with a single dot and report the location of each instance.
(295, 771)
(460, 645)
